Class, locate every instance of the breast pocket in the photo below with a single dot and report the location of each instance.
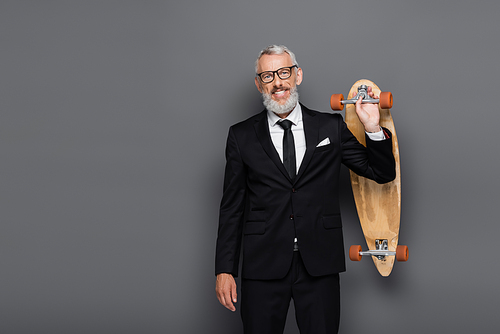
(333, 221)
(256, 222)
(324, 148)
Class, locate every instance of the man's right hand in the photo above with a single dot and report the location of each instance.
(225, 287)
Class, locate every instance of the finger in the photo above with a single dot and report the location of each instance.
(369, 91)
(234, 294)
(227, 301)
(358, 102)
(220, 297)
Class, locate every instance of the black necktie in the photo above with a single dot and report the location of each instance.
(288, 148)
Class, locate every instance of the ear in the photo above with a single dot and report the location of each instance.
(299, 76)
(257, 83)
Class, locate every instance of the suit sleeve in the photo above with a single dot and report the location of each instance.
(231, 210)
(375, 162)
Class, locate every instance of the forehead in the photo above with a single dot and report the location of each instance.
(273, 62)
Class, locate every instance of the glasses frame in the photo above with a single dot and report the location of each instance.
(276, 73)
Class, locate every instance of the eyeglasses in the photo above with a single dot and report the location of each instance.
(283, 73)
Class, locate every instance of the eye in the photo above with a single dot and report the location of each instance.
(285, 72)
(266, 76)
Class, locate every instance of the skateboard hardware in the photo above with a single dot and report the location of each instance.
(381, 251)
(363, 92)
(337, 101)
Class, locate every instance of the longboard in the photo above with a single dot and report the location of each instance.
(378, 205)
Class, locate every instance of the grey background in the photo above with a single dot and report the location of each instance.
(114, 116)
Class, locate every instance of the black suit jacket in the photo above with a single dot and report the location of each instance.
(265, 209)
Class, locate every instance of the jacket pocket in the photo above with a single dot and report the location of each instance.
(330, 222)
(323, 148)
(252, 227)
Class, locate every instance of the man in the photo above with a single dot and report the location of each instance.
(281, 201)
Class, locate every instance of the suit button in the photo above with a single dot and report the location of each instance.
(293, 190)
(291, 217)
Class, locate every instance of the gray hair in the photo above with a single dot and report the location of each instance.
(276, 50)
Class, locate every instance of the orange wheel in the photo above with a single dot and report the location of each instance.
(354, 253)
(335, 102)
(402, 253)
(385, 100)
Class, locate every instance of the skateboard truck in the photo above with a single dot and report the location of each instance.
(363, 92)
(380, 252)
(337, 101)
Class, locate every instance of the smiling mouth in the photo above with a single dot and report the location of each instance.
(280, 92)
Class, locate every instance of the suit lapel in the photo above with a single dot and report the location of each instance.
(262, 130)
(311, 130)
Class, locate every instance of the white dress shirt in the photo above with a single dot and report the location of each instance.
(299, 136)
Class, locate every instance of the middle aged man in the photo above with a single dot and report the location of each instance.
(281, 197)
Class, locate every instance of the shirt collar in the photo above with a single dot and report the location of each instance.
(295, 116)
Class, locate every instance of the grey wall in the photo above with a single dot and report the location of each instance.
(113, 120)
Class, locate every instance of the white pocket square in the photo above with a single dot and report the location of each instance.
(324, 142)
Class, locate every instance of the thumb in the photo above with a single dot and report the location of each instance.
(358, 102)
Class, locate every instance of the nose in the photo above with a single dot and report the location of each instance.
(277, 81)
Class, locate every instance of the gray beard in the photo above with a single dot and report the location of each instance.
(280, 109)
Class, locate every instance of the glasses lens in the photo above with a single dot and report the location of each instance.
(284, 73)
(267, 77)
